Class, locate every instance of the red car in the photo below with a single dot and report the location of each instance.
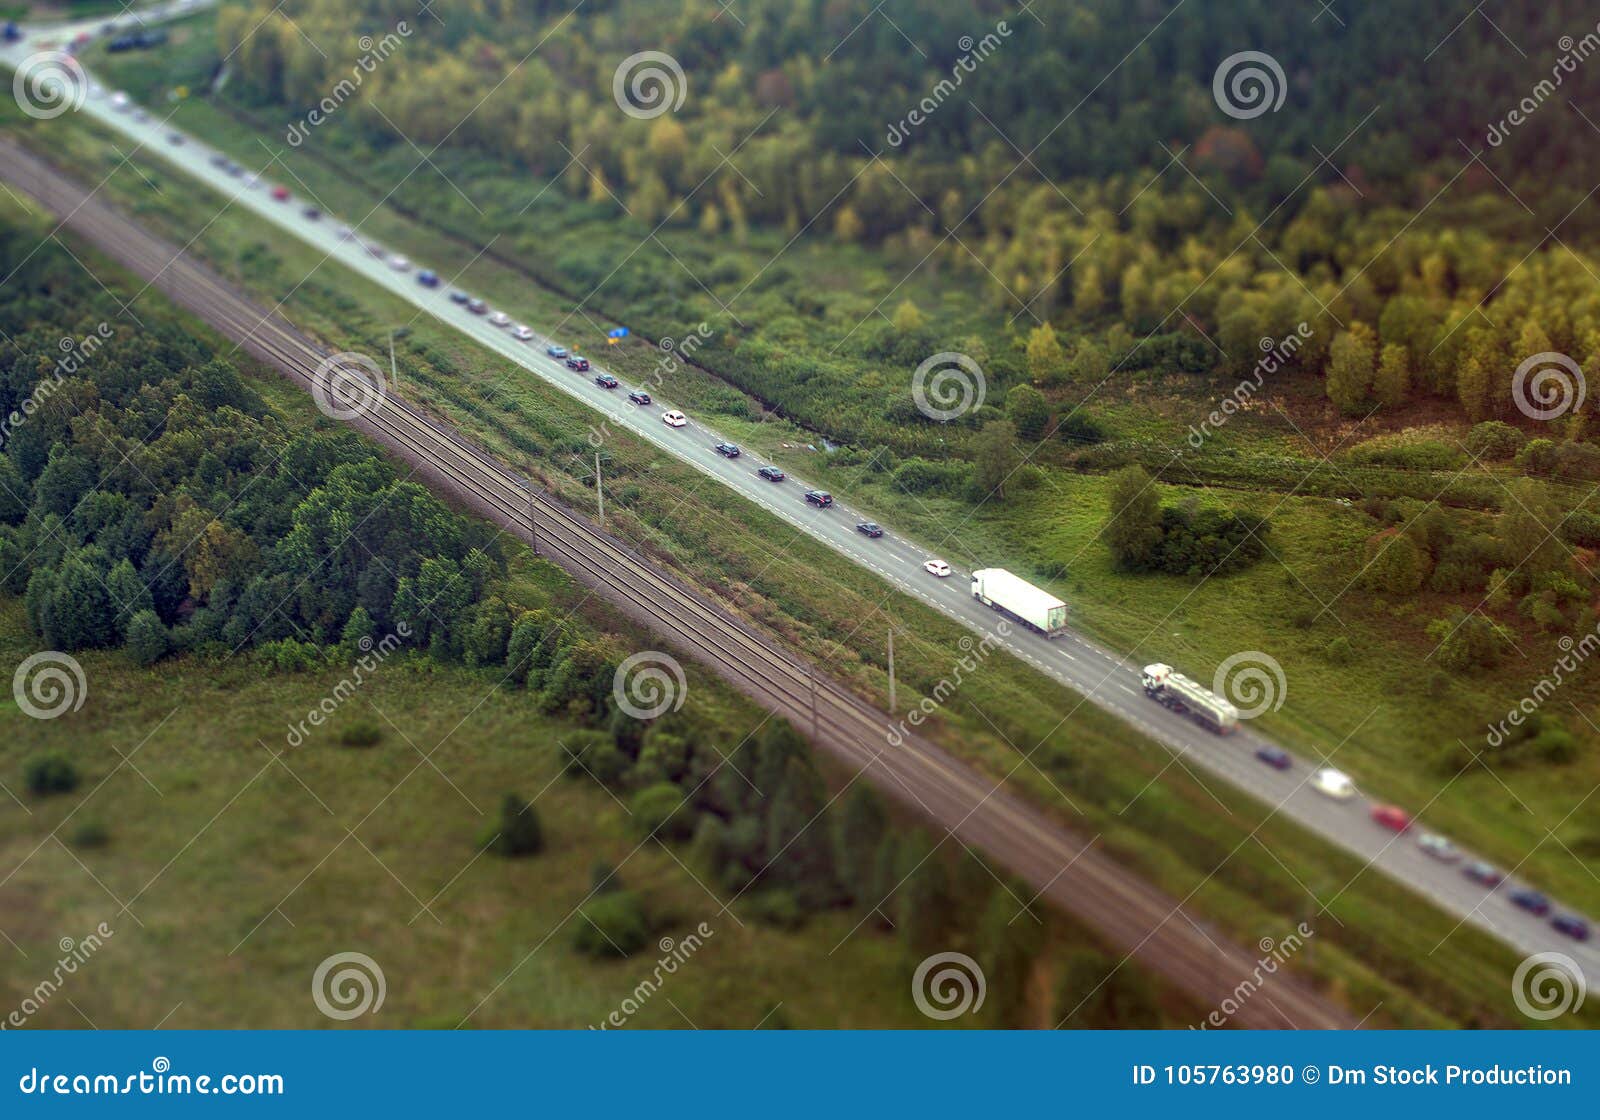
(281, 193)
(1391, 817)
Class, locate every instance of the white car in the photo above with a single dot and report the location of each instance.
(672, 418)
(1333, 783)
(344, 233)
(399, 264)
(119, 101)
(500, 319)
(522, 333)
(936, 567)
(1438, 847)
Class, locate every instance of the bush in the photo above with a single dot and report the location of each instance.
(1078, 427)
(1494, 440)
(1537, 457)
(90, 834)
(776, 908)
(611, 925)
(922, 476)
(1340, 651)
(148, 640)
(51, 773)
(1468, 642)
(517, 832)
(659, 812)
(361, 733)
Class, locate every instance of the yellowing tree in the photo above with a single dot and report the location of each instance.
(1047, 363)
(1350, 367)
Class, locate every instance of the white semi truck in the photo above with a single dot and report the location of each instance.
(1034, 607)
(1167, 686)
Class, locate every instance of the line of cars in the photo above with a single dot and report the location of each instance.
(1337, 785)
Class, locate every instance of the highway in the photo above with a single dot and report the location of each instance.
(1132, 915)
(1108, 679)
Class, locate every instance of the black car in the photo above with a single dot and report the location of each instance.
(1483, 874)
(605, 381)
(870, 528)
(1274, 757)
(1531, 901)
(639, 396)
(478, 306)
(312, 213)
(820, 498)
(577, 363)
(458, 296)
(1571, 925)
(771, 474)
(728, 450)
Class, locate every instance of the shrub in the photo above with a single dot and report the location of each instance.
(777, 908)
(1537, 457)
(361, 733)
(659, 812)
(1078, 427)
(51, 773)
(1494, 440)
(517, 832)
(603, 877)
(90, 834)
(1468, 642)
(611, 925)
(148, 640)
(1340, 651)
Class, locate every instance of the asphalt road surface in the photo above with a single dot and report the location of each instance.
(1066, 871)
(1109, 680)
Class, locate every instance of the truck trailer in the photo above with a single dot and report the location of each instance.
(1170, 688)
(1034, 607)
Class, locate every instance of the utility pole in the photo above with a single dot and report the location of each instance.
(599, 491)
(394, 371)
(533, 530)
(812, 674)
(892, 707)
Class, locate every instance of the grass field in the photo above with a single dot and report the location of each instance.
(1171, 830)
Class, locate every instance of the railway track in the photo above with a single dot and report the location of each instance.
(1130, 914)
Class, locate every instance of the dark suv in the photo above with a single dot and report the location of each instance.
(820, 498)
